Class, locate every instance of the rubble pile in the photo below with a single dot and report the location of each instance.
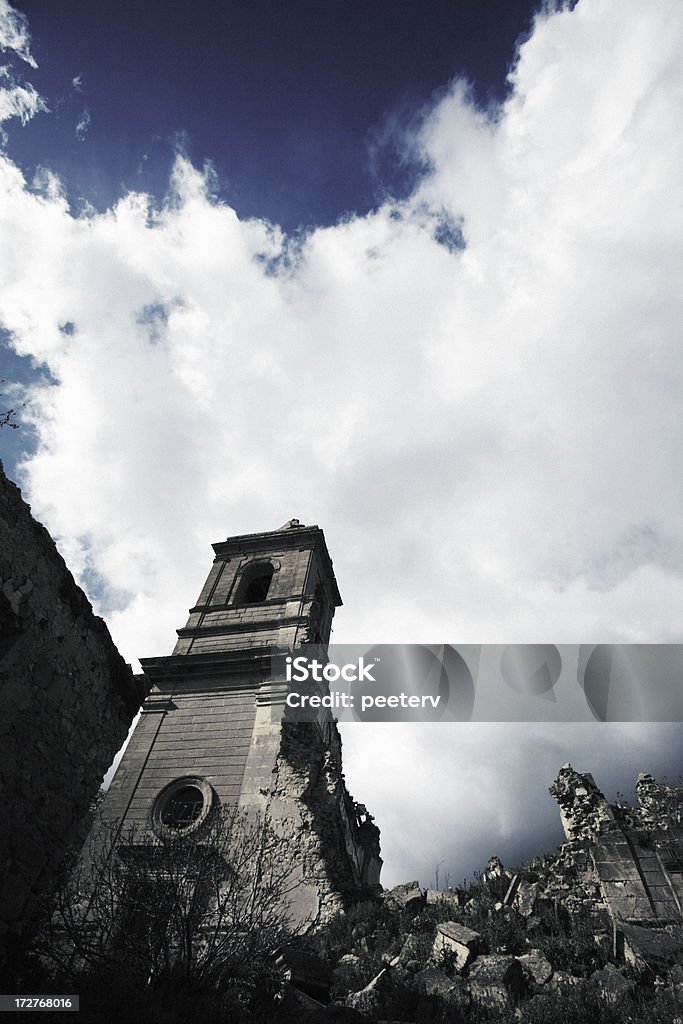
(595, 929)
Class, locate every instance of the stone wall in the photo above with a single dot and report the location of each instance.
(623, 860)
(68, 700)
(338, 843)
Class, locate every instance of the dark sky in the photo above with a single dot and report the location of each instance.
(294, 102)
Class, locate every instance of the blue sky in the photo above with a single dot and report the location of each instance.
(299, 109)
(411, 272)
(293, 102)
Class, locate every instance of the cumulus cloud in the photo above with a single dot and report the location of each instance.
(484, 429)
(475, 390)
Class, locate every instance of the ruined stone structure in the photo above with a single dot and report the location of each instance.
(564, 937)
(68, 700)
(626, 861)
(213, 728)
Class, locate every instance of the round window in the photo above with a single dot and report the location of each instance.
(183, 808)
(183, 805)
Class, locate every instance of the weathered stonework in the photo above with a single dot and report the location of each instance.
(625, 862)
(462, 943)
(215, 716)
(583, 808)
(562, 942)
(68, 700)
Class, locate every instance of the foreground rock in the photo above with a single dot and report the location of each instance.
(406, 897)
(611, 984)
(452, 993)
(497, 981)
(537, 966)
(591, 930)
(461, 943)
(386, 997)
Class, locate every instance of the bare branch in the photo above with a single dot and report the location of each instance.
(167, 905)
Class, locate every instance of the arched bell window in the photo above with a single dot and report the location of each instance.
(255, 583)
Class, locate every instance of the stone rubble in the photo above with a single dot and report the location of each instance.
(623, 956)
(462, 943)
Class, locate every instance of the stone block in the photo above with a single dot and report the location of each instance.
(411, 950)
(460, 942)
(345, 968)
(497, 981)
(537, 966)
(385, 995)
(408, 896)
(306, 972)
(611, 984)
(526, 897)
(452, 993)
(647, 947)
(442, 898)
(562, 980)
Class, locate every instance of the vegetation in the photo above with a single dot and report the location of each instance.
(181, 927)
(577, 945)
(8, 416)
(175, 926)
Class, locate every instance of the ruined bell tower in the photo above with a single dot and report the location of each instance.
(212, 730)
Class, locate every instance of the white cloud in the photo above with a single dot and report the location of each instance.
(14, 33)
(83, 125)
(490, 437)
(16, 99)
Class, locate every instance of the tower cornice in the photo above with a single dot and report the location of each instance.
(285, 539)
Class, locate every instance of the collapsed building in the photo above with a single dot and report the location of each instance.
(621, 867)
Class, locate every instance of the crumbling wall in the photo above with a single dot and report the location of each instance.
(583, 808)
(660, 806)
(68, 700)
(625, 860)
(338, 842)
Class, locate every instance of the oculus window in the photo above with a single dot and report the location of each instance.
(183, 805)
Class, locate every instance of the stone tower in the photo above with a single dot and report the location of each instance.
(212, 729)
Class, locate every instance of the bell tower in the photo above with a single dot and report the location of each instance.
(264, 590)
(212, 729)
